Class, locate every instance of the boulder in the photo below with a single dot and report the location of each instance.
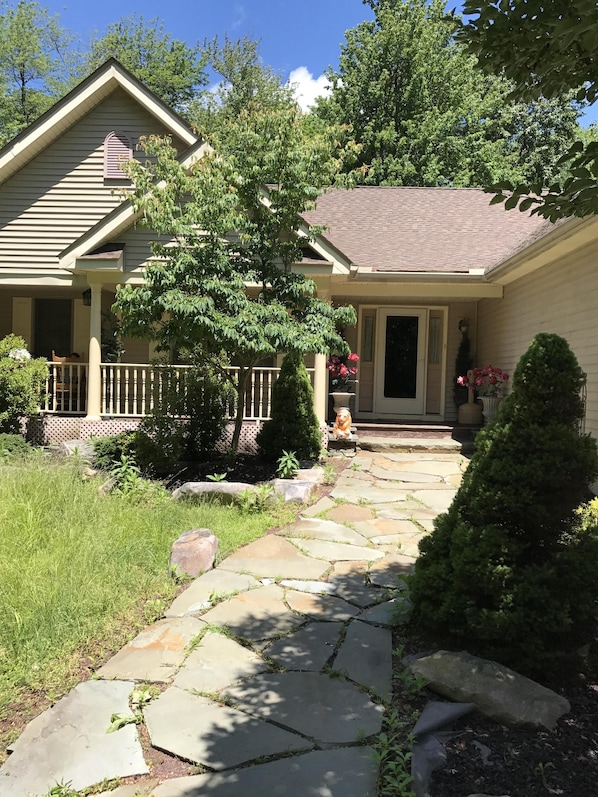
(497, 691)
(225, 492)
(294, 490)
(194, 552)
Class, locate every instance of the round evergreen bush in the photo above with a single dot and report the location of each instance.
(22, 381)
(293, 425)
(509, 571)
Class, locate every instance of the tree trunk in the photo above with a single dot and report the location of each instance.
(244, 378)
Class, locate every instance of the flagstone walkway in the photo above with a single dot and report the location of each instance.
(274, 668)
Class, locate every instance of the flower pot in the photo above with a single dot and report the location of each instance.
(490, 406)
(470, 414)
(341, 399)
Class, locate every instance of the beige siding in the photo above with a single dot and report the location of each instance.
(59, 195)
(561, 297)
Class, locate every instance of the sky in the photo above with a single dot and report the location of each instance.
(299, 39)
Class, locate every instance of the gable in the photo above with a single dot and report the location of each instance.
(62, 192)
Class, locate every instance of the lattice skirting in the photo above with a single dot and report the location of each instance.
(49, 429)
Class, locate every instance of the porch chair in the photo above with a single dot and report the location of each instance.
(65, 383)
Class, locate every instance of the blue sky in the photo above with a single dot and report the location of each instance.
(298, 39)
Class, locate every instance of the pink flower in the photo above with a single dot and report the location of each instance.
(353, 357)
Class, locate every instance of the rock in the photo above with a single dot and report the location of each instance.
(497, 691)
(194, 552)
(295, 490)
(80, 448)
(107, 486)
(225, 492)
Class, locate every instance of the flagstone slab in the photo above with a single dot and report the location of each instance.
(426, 523)
(198, 729)
(326, 709)
(320, 607)
(313, 587)
(346, 772)
(156, 653)
(387, 613)
(373, 529)
(350, 513)
(439, 500)
(372, 495)
(207, 589)
(433, 467)
(403, 475)
(335, 551)
(255, 615)
(218, 662)
(327, 530)
(68, 743)
(404, 510)
(137, 789)
(366, 658)
(308, 649)
(323, 505)
(273, 557)
(387, 572)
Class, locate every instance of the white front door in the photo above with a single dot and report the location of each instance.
(400, 361)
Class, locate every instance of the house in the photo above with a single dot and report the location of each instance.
(415, 263)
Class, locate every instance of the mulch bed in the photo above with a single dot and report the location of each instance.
(485, 757)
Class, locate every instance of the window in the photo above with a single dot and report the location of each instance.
(117, 148)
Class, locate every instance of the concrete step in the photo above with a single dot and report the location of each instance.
(438, 445)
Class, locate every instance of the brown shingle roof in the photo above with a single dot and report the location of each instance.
(422, 229)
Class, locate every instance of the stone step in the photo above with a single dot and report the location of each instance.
(423, 444)
(441, 431)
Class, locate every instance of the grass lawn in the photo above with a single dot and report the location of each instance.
(80, 572)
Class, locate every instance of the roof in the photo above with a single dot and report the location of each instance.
(397, 228)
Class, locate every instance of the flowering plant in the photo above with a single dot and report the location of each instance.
(342, 370)
(488, 381)
(20, 355)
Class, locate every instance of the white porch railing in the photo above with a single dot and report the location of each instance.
(134, 390)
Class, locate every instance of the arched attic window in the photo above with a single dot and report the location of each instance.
(117, 148)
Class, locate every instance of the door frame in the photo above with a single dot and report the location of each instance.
(386, 309)
(402, 406)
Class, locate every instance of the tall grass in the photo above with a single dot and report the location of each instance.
(74, 564)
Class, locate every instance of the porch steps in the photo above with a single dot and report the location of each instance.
(431, 438)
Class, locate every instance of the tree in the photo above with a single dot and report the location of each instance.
(545, 49)
(35, 64)
(424, 115)
(169, 67)
(223, 272)
(491, 573)
(293, 425)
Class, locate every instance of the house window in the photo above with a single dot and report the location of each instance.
(117, 149)
(52, 327)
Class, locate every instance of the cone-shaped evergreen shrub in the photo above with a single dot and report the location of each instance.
(509, 571)
(293, 425)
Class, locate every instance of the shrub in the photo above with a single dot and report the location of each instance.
(293, 424)
(188, 421)
(509, 569)
(13, 445)
(108, 451)
(22, 381)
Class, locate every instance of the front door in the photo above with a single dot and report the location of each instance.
(400, 361)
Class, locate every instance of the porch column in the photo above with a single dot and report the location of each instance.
(320, 387)
(94, 371)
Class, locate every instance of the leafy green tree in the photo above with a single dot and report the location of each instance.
(423, 114)
(22, 380)
(228, 281)
(546, 49)
(508, 570)
(36, 63)
(170, 67)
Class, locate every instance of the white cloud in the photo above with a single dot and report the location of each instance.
(306, 88)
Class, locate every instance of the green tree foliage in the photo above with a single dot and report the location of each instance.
(422, 113)
(509, 570)
(546, 49)
(34, 64)
(171, 68)
(293, 425)
(231, 232)
(22, 380)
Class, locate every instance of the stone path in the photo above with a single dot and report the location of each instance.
(274, 668)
